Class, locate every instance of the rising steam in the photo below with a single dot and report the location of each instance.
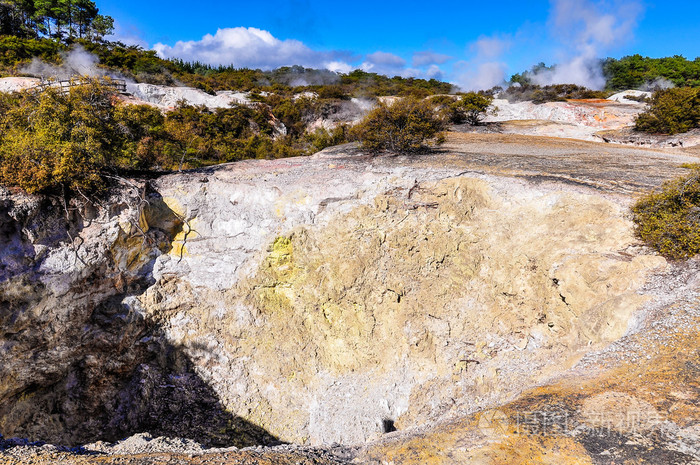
(77, 62)
(583, 31)
(486, 69)
(658, 83)
(587, 31)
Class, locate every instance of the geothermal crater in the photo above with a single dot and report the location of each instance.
(337, 299)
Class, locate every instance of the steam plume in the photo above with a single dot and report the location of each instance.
(77, 62)
(587, 31)
(487, 69)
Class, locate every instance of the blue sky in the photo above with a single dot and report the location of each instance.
(474, 44)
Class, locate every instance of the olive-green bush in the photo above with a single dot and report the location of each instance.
(668, 220)
(671, 111)
(529, 92)
(407, 125)
(54, 140)
(470, 108)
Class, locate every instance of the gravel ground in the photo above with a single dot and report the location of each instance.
(143, 449)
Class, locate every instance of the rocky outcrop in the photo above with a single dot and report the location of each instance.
(384, 300)
(630, 97)
(16, 84)
(79, 360)
(636, 401)
(167, 97)
(574, 119)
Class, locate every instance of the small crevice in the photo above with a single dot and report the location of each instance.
(563, 299)
(388, 426)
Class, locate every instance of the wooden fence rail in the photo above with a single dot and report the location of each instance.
(64, 86)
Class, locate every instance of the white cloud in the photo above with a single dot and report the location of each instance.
(434, 72)
(391, 65)
(339, 67)
(482, 76)
(385, 63)
(385, 59)
(429, 58)
(249, 47)
(491, 47)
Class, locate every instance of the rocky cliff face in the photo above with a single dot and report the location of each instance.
(322, 300)
(79, 360)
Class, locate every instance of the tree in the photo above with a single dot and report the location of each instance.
(61, 19)
(85, 16)
(671, 111)
(636, 71)
(15, 18)
(48, 13)
(471, 108)
(100, 26)
(52, 139)
(404, 126)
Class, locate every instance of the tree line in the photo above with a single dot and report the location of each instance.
(636, 71)
(57, 19)
(633, 72)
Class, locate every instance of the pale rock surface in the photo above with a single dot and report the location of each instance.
(576, 119)
(621, 97)
(168, 97)
(581, 113)
(15, 84)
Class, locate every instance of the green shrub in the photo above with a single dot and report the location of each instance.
(142, 128)
(669, 220)
(404, 126)
(671, 111)
(471, 108)
(635, 71)
(53, 139)
(14, 50)
(442, 101)
(322, 138)
(332, 91)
